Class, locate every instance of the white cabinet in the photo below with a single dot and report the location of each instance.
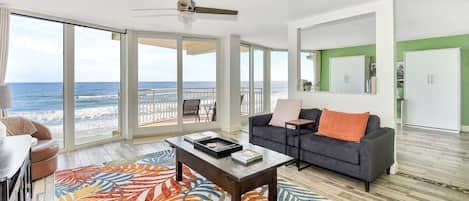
(348, 74)
(433, 89)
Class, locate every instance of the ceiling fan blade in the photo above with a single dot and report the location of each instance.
(215, 11)
(152, 9)
(205, 16)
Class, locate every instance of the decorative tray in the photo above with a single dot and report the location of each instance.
(217, 147)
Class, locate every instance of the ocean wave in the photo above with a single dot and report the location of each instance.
(55, 117)
(88, 121)
(98, 97)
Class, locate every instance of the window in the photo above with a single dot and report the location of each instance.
(97, 85)
(244, 73)
(258, 90)
(311, 68)
(35, 72)
(252, 80)
(199, 81)
(278, 76)
(157, 82)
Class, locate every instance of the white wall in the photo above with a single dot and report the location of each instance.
(382, 103)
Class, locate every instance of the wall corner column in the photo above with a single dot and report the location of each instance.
(132, 83)
(386, 57)
(294, 46)
(230, 85)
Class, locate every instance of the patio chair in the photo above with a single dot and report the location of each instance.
(214, 115)
(190, 108)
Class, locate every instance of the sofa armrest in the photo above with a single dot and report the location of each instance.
(258, 120)
(376, 153)
(43, 133)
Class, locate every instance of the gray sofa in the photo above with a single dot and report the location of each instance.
(366, 160)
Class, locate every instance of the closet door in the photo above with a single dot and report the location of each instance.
(417, 89)
(445, 84)
(348, 74)
(432, 89)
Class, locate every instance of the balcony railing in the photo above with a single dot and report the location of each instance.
(160, 105)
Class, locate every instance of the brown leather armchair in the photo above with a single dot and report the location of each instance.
(44, 153)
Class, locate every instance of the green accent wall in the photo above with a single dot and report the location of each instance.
(459, 41)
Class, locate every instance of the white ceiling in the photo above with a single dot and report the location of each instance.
(260, 21)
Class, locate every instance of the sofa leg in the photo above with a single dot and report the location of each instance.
(367, 186)
(388, 171)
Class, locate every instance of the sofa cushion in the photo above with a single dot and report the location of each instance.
(275, 134)
(332, 148)
(285, 110)
(343, 126)
(373, 124)
(311, 114)
(44, 150)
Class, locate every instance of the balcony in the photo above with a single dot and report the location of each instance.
(158, 107)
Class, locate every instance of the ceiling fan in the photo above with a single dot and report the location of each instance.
(187, 9)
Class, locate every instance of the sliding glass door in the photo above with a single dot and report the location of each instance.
(245, 59)
(35, 72)
(177, 82)
(258, 81)
(199, 81)
(252, 77)
(97, 85)
(46, 84)
(278, 77)
(157, 82)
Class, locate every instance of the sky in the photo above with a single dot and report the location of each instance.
(36, 55)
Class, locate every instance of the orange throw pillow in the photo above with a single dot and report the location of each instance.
(343, 126)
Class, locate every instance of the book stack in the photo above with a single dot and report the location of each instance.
(198, 137)
(246, 156)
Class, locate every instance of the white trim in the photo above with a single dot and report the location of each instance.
(132, 82)
(251, 80)
(180, 83)
(267, 80)
(69, 86)
(123, 98)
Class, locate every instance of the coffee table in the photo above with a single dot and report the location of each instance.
(230, 175)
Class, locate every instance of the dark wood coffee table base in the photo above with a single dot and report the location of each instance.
(217, 176)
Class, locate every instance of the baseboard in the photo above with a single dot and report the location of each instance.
(433, 129)
(394, 168)
(465, 129)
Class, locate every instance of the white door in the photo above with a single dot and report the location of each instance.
(432, 89)
(347, 74)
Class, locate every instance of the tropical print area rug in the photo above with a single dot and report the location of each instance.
(152, 178)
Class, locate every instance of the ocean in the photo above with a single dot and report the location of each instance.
(96, 103)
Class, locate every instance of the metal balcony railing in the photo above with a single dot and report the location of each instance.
(160, 105)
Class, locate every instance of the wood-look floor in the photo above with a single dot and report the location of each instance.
(436, 156)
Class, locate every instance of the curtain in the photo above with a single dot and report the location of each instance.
(4, 31)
